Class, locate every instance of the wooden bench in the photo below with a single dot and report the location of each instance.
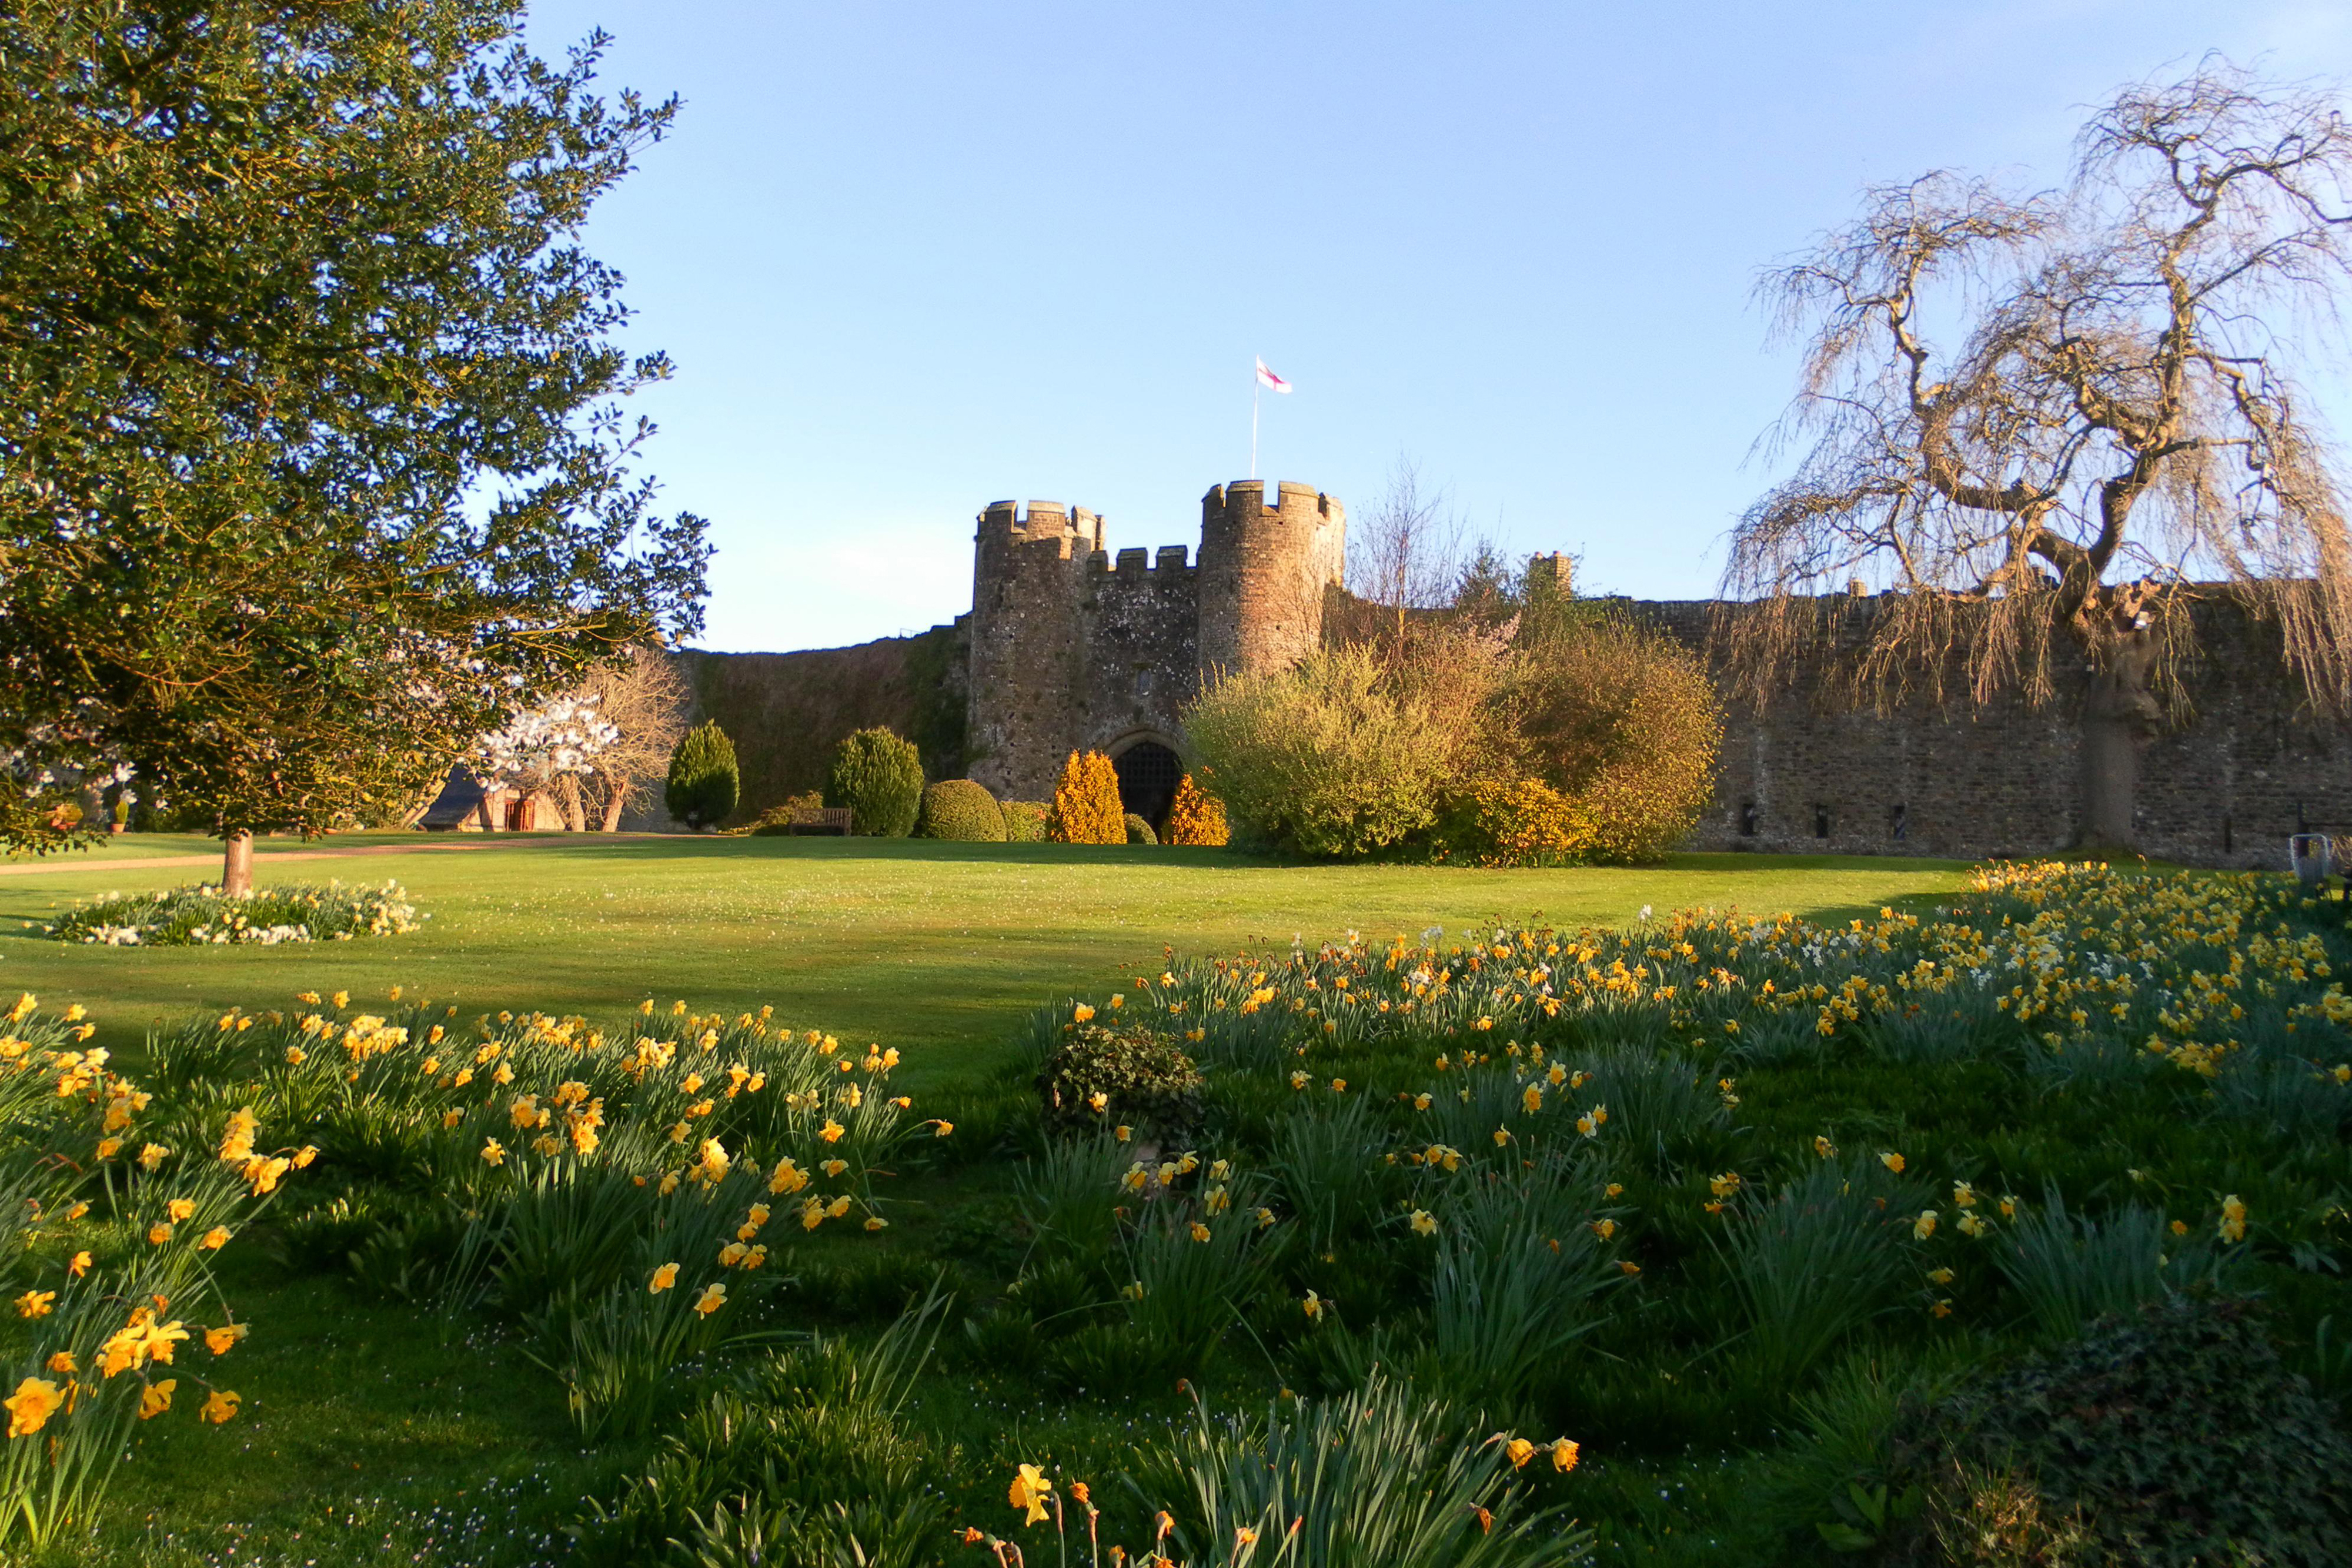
(820, 820)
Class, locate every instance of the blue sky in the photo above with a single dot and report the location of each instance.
(910, 259)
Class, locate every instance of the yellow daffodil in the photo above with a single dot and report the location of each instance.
(713, 1298)
(1563, 1456)
(156, 1398)
(1518, 1451)
(1029, 1489)
(1892, 1162)
(221, 1406)
(80, 1266)
(494, 1153)
(832, 1130)
(664, 1278)
(1082, 1013)
(1424, 1222)
(1314, 1305)
(30, 1408)
(35, 1304)
(221, 1339)
(2233, 1219)
(1925, 1226)
(1823, 1148)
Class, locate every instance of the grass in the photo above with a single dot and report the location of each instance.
(938, 949)
(375, 1426)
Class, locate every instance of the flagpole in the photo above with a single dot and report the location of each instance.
(1253, 386)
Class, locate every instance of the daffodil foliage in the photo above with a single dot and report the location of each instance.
(118, 1213)
(312, 459)
(1650, 1185)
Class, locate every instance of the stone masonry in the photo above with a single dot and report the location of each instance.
(1071, 652)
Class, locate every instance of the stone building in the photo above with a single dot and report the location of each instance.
(1073, 649)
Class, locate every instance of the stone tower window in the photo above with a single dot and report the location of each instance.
(1748, 819)
(1821, 822)
(1143, 683)
(1902, 823)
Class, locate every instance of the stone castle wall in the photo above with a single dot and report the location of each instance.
(2252, 765)
(1072, 651)
(1070, 647)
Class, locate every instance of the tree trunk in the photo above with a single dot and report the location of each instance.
(2120, 714)
(616, 795)
(237, 863)
(567, 797)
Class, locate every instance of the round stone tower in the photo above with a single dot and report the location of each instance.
(1028, 642)
(1268, 550)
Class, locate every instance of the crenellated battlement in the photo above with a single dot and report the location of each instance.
(1137, 565)
(1075, 646)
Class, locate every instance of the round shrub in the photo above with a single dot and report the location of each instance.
(962, 811)
(1328, 758)
(1523, 821)
(1102, 1078)
(1139, 832)
(704, 782)
(1025, 821)
(879, 778)
(1623, 721)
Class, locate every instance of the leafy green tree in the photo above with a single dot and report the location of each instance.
(312, 465)
(704, 782)
(879, 777)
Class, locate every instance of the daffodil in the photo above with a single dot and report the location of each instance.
(156, 1398)
(1563, 1455)
(1424, 1222)
(30, 1408)
(35, 1304)
(713, 1298)
(1029, 1489)
(494, 1153)
(664, 1278)
(221, 1406)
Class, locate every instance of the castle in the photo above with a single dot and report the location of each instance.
(1073, 651)
(1069, 648)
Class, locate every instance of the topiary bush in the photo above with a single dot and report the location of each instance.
(1087, 809)
(879, 777)
(961, 810)
(1197, 817)
(704, 783)
(1102, 1077)
(1025, 820)
(2175, 1433)
(1139, 832)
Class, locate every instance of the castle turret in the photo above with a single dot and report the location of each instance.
(1268, 550)
(1028, 639)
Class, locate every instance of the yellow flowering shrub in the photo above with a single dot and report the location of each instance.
(1087, 809)
(1197, 817)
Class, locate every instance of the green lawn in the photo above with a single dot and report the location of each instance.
(938, 949)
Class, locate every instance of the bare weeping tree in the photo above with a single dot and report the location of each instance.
(2115, 434)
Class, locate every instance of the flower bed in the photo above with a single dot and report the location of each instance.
(202, 916)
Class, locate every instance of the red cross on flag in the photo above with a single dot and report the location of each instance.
(1266, 378)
